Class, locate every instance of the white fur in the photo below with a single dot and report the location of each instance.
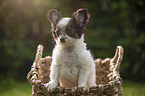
(63, 22)
(72, 65)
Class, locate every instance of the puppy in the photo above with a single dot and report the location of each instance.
(72, 64)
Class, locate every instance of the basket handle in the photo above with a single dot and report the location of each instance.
(117, 59)
(33, 74)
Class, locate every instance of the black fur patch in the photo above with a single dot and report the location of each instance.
(74, 30)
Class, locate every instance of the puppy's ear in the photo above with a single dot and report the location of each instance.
(81, 16)
(54, 16)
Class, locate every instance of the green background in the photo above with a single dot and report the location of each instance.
(24, 25)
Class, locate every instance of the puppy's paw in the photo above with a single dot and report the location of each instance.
(81, 84)
(51, 86)
(81, 87)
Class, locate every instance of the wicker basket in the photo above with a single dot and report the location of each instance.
(108, 78)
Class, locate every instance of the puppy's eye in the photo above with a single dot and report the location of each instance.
(70, 31)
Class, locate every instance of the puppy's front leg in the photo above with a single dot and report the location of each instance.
(83, 76)
(54, 77)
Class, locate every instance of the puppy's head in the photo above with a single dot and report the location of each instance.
(68, 30)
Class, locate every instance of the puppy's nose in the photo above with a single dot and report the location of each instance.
(62, 39)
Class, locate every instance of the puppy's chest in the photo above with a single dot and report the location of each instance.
(67, 57)
(69, 64)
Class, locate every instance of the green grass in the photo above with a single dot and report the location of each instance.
(13, 88)
(133, 89)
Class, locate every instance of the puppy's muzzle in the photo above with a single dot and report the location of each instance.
(62, 39)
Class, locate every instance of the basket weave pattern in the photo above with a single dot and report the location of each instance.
(108, 78)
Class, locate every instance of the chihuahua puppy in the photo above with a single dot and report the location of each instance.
(72, 64)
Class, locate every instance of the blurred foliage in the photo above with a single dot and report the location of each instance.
(24, 25)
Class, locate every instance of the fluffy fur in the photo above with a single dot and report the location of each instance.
(72, 63)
